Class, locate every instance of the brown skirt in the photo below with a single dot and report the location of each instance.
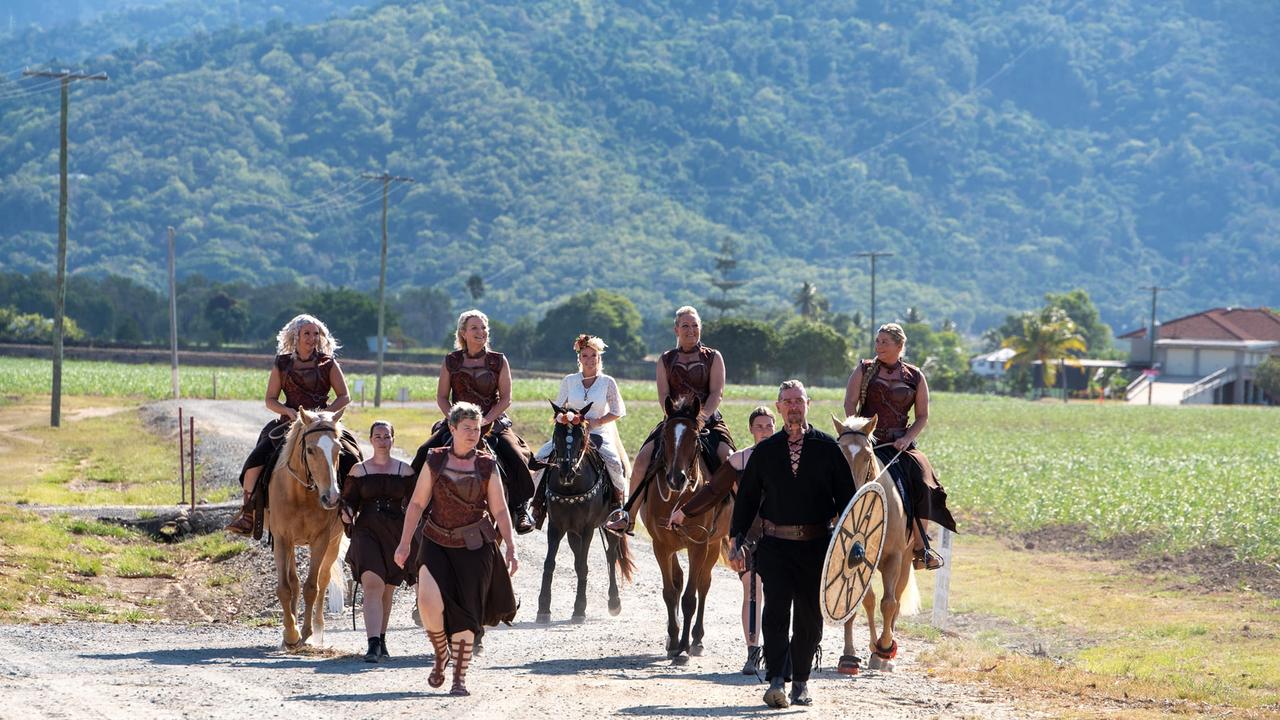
(373, 546)
(927, 499)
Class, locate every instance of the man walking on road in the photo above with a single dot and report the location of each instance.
(797, 481)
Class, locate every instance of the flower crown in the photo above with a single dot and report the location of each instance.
(584, 340)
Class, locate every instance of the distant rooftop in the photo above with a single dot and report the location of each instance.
(1229, 324)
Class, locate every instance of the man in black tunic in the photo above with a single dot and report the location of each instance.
(798, 481)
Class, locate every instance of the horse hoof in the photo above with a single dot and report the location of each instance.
(680, 659)
(879, 664)
(543, 618)
(578, 619)
(615, 607)
(696, 650)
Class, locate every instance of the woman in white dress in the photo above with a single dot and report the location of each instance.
(591, 386)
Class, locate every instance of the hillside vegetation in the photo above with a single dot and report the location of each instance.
(1000, 150)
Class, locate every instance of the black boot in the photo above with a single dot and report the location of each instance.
(382, 646)
(800, 693)
(375, 647)
(524, 519)
(538, 508)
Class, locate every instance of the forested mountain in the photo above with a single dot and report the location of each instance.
(1001, 150)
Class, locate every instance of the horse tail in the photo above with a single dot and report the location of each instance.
(626, 563)
(909, 604)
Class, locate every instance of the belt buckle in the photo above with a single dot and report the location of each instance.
(797, 531)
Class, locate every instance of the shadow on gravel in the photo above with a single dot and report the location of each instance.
(371, 697)
(616, 664)
(729, 711)
(260, 657)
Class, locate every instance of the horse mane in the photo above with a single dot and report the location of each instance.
(855, 423)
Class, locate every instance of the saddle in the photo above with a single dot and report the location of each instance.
(348, 455)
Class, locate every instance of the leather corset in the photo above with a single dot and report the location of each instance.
(691, 379)
(477, 385)
(305, 387)
(891, 400)
(459, 499)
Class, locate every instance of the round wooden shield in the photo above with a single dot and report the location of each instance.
(853, 553)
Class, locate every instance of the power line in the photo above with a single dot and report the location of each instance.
(873, 256)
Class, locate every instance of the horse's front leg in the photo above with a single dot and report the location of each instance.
(706, 564)
(869, 608)
(895, 576)
(672, 579)
(328, 550)
(689, 606)
(581, 545)
(287, 590)
(554, 536)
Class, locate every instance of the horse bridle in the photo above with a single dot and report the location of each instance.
(869, 478)
(310, 484)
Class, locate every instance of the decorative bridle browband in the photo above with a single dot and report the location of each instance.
(310, 484)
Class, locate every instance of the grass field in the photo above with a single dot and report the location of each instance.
(1185, 477)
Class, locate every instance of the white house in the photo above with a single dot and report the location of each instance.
(990, 365)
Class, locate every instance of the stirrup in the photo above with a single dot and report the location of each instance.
(619, 522)
(926, 559)
(461, 659)
(440, 645)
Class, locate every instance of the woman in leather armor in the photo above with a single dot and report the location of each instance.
(305, 372)
(891, 390)
(476, 374)
(463, 581)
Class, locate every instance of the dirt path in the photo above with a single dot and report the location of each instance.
(605, 667)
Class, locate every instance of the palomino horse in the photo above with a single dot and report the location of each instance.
(303, 510)
(578, 495)
(678, 471)
(857, 441)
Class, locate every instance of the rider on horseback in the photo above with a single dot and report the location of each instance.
(306, 372)
(888, 389)
(590, 386)
(473, 373)
(690, 369)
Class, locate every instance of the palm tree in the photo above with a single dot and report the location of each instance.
(1049, 337)
(809, 303)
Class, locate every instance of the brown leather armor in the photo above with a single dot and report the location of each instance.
(305, 387)
(477, 385)
(692, 379)
(890, 401)
(458, 515)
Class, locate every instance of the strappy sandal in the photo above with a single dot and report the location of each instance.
(926, 559)
(461, 659)
(440, 645)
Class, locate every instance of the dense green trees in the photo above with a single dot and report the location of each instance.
(1000, 151)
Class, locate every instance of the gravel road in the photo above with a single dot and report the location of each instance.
(607, 666)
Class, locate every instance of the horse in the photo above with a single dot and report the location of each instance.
(302, 509)
(577, 487)
(678, 471)
(857, 441)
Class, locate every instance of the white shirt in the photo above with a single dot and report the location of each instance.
(603, 394)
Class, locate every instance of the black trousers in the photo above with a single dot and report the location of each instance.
(792, 575)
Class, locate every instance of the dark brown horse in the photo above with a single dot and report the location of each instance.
(678, 471)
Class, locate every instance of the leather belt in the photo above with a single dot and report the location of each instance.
(382, 505)
(795, 532)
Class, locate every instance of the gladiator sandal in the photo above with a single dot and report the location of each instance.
(440, 645)
(461, 659)
(242, 525)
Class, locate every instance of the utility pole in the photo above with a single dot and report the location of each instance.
(1151, 379)
(873, 256)
(60, 294)
(386, 179)
(173, 316)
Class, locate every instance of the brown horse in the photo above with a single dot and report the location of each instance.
(857, 441)
(303, 510)
(678, 471)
